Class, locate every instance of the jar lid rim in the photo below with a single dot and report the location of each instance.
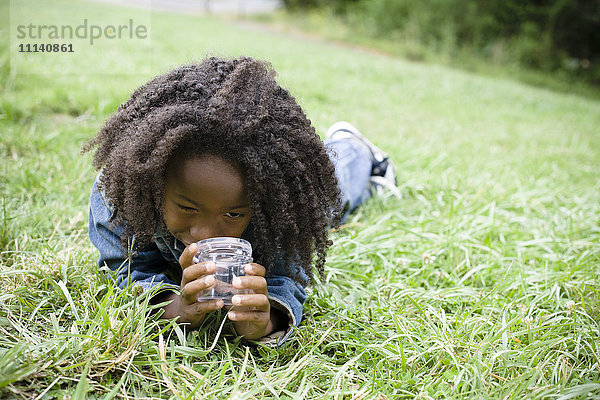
(224, 242)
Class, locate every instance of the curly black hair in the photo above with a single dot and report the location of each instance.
(236, 110)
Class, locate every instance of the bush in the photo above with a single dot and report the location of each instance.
(541, 34)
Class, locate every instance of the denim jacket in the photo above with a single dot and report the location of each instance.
(159, 263)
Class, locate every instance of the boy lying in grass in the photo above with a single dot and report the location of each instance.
(220, 149)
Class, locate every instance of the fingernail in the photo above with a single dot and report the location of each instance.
(236, 300)
(231, 314)
(237, 281)
(209, 280)
(220, 303)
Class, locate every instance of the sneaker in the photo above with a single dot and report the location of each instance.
(383, 175)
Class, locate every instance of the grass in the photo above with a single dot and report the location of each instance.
(482, 282)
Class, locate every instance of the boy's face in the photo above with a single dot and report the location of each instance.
(205, 197)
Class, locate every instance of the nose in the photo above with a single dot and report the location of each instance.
(204, 230)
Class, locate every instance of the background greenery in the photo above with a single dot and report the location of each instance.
(558, 37)
(482, 282)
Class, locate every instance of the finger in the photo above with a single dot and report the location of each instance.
(255, 283)
(193, 288)
(195, 271)
(260, 301)
(202, 307)
(254, 316)
(186, 258)
(255, 269)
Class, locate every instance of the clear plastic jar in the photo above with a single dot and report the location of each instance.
(231, 255)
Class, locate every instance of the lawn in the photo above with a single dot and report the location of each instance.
(483, 281)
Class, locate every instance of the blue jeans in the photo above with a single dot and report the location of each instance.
(353, 169)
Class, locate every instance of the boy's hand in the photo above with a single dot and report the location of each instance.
(195, 278)
(251, 313)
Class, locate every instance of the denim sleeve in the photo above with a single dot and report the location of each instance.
(143, 268)
(287, 296)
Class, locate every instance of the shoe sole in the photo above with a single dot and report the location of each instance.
(344, 126)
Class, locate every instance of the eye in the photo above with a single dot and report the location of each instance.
(234, 215)
(186, 209)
